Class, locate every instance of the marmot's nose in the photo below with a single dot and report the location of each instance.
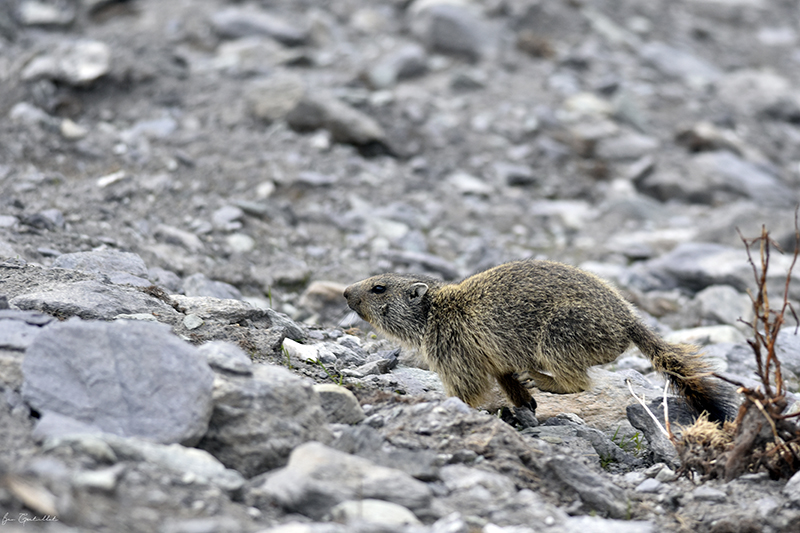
(347, 292)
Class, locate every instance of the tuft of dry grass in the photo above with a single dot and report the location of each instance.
(702, 444)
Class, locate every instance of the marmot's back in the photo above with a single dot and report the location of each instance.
(528, 293)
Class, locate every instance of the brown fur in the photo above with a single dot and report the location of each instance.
(549, 320)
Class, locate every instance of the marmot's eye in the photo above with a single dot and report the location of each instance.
(378, 289)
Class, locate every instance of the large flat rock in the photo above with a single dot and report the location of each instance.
(126, 378)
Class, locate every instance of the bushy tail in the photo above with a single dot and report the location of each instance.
(688, 374)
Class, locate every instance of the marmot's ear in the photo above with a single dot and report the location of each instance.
(418, 290)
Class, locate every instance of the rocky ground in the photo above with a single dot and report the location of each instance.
(187, 186)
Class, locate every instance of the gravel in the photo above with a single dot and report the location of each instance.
(225, 169)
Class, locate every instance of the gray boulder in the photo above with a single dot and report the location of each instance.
(235, 23)
(722, 304)
(200, 285)
(270, 99)
(125, 378)
(697, 265)
(718, 177)
(792, 489)
(339, 404)
(750, 91)
(572, 428)
(318, 477)
(405, 62)
(346, 124)
(597, 492)
(259, 420)
(450, 28)
(728, 173)
(468, 487)
(172, 458)
(18, 329)
(227, 357)
(92, 299)
(680, 416)
(679, 63)
(120, 267)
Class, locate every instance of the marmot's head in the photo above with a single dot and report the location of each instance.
(396, 304)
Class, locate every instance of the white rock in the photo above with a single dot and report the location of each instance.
(649, 486)
(35, 13)
(706, 493)
(241, 243)
(792, 488)
(373, 511)
(469, 184)
(108, 179)
(304, 352)
(77, 63)
(339, 404)
(707, 335)
(192, 321)
(72, 131)
(588, 104)
(227, 217)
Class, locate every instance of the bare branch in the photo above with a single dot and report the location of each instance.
(729, 380)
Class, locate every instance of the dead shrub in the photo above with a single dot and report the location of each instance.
(762, 436)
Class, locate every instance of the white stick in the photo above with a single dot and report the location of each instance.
(641, 401)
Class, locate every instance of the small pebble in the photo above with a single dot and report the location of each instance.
(649, 486)
(192, 322)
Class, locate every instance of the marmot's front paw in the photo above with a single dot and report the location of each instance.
(532, 405)
(524, 417)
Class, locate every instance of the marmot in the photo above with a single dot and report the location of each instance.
(547, 319)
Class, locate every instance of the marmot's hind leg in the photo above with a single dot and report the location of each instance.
(516, 392)
(565, 383)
